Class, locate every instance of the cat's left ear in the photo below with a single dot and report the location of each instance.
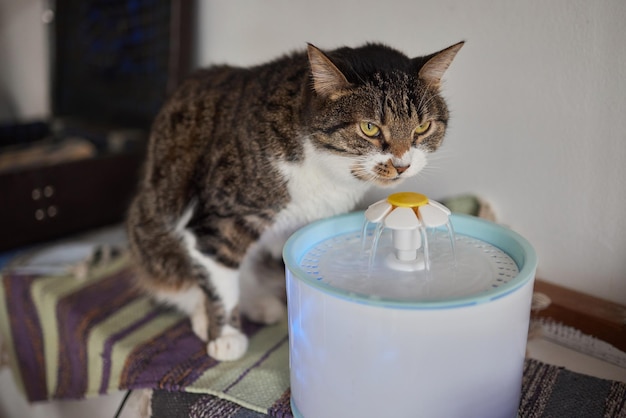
(328, 80)
(437, 64)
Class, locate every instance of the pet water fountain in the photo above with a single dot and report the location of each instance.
(407, 310)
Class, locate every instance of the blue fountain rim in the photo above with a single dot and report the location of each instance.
(512, 243)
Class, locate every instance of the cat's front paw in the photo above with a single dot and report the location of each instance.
(228, 347)
(266, 309)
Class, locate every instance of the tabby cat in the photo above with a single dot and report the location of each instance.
(239, 158)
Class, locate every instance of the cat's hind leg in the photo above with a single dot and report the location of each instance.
(263, 294)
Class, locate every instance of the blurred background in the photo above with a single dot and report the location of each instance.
(537, 94)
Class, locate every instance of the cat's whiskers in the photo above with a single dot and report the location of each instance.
(432, 168)
(422, 105)
(364, 173)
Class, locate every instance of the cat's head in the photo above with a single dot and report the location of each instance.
(379, 108)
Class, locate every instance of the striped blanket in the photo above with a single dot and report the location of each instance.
(72, 338)
(547, 392)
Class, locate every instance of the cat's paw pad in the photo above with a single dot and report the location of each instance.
(228, 347)
(266, 310)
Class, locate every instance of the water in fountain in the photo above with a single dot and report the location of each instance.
(452, 239)
(457, 266)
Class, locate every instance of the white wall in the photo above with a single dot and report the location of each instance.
(538, 96)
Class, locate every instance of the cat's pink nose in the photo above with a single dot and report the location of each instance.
(402, 169)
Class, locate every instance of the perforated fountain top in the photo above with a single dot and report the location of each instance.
(484, 264)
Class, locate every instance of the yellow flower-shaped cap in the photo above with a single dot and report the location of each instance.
(426, 211)
(407, 200)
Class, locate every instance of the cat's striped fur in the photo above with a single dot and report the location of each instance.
(241, 157)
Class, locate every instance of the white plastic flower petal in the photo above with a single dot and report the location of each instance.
(401, 219)
(439, 206)
(432, 216)
(376, 212)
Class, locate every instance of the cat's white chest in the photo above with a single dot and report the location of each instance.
(320, 186)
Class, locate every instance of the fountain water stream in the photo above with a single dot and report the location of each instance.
(407, 215)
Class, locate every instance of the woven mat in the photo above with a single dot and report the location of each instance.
(70, 338)
(547, 392)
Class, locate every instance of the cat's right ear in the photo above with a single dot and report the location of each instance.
(437, 64)
(328, 80)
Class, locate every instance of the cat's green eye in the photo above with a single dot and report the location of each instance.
(422, 128)
(370, 129)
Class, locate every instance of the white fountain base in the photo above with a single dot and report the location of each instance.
(360, 357)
